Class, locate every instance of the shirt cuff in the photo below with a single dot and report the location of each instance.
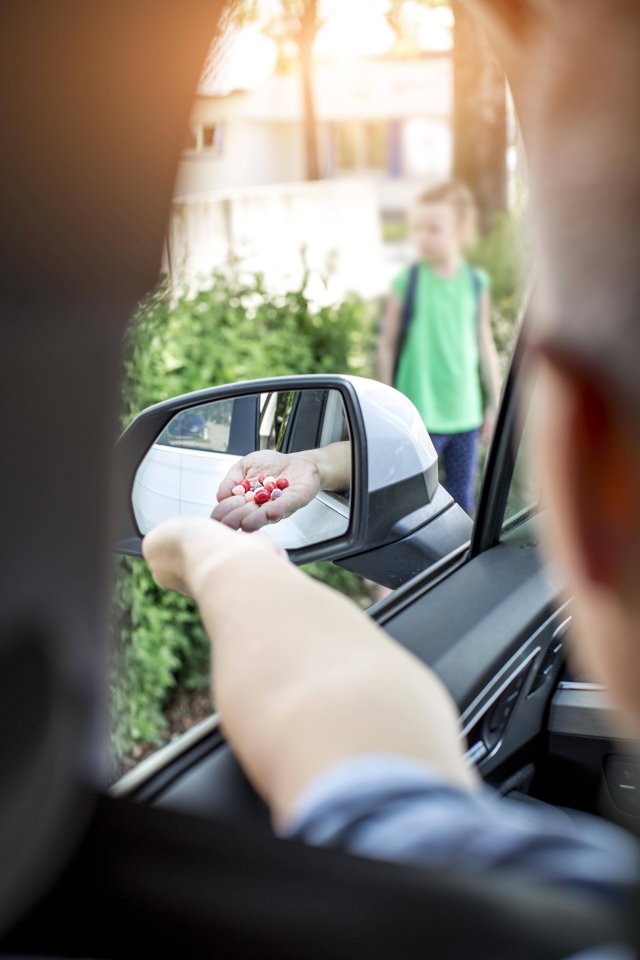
(349, 789)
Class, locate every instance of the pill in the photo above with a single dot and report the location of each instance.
(261, 496)
(246, 485)
(249, 496)
(269, 487)
(275, 493)
(269, 479)
(262, 477)
(238, 489)
(282, 483)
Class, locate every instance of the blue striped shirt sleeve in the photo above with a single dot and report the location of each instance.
(391, 808)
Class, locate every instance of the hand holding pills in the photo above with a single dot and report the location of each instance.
(266, 486)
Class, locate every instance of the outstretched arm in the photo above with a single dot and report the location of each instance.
(301, 677)
(389, 338)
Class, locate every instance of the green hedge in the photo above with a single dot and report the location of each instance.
(234, 330)
(504, 254)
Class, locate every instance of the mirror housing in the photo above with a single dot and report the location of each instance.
(401, 518)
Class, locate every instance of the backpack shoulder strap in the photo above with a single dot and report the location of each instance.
(476, 282)
(409, 299)
(408, 305)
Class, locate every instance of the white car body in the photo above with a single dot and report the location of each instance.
(173, 481)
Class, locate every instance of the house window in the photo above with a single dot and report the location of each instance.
(362, 145)
(205, 138)
(347, 146)
(212, 138)
(376, 146)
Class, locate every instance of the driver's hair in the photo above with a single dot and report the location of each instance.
(588, 297)
(582, 158)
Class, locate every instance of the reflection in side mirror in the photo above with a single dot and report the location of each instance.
(207, 449)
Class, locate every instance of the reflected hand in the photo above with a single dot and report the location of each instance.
(300, 469)
(183, 552)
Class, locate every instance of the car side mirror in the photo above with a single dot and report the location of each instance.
(384, 515)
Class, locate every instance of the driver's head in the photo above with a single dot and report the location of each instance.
(583, 151)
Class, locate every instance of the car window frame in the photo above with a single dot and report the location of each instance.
(502, 454)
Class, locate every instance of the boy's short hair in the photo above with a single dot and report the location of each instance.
(455, 193)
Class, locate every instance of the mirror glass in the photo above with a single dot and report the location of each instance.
(269, 443)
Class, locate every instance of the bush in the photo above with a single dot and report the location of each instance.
(161, 642)
(504, 254)
(233, 330)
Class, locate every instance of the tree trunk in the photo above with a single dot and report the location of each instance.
(479, 117)
(308, 30)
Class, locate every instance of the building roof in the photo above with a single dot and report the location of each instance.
(238, 59)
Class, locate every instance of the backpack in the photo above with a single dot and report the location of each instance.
(409, 302)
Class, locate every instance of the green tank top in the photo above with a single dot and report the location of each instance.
(439, 368)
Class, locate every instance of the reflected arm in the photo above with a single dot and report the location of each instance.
(333, 463)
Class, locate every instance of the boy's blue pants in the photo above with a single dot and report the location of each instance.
(458, 452)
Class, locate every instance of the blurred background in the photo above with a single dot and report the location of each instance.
(317, 122)
(315, 125)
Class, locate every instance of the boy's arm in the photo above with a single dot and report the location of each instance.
(489, 367)
(389, 338)
(301, 677)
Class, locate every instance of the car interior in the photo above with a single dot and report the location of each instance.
(179, 854)
(533, 729)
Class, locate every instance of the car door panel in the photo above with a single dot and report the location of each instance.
(460, 628)
(499, 635)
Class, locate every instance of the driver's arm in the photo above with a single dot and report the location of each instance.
(301, 678)
(350, 739)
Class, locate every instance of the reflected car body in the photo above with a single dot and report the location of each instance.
(175, 481)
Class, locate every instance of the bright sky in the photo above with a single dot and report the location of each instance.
(352, 28)
(360, 28)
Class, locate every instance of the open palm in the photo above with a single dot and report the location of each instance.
(304, 483)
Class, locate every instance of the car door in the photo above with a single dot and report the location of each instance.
(488, 619)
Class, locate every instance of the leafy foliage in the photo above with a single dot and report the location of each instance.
(504, 253)
(233, 330)
(160, 641)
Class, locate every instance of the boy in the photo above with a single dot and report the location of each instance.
(445, 358)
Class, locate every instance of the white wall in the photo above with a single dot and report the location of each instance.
(252, 153)
(267, 227)
(263, 137)
(360, 89)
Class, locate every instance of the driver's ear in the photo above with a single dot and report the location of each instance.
(602, 483)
